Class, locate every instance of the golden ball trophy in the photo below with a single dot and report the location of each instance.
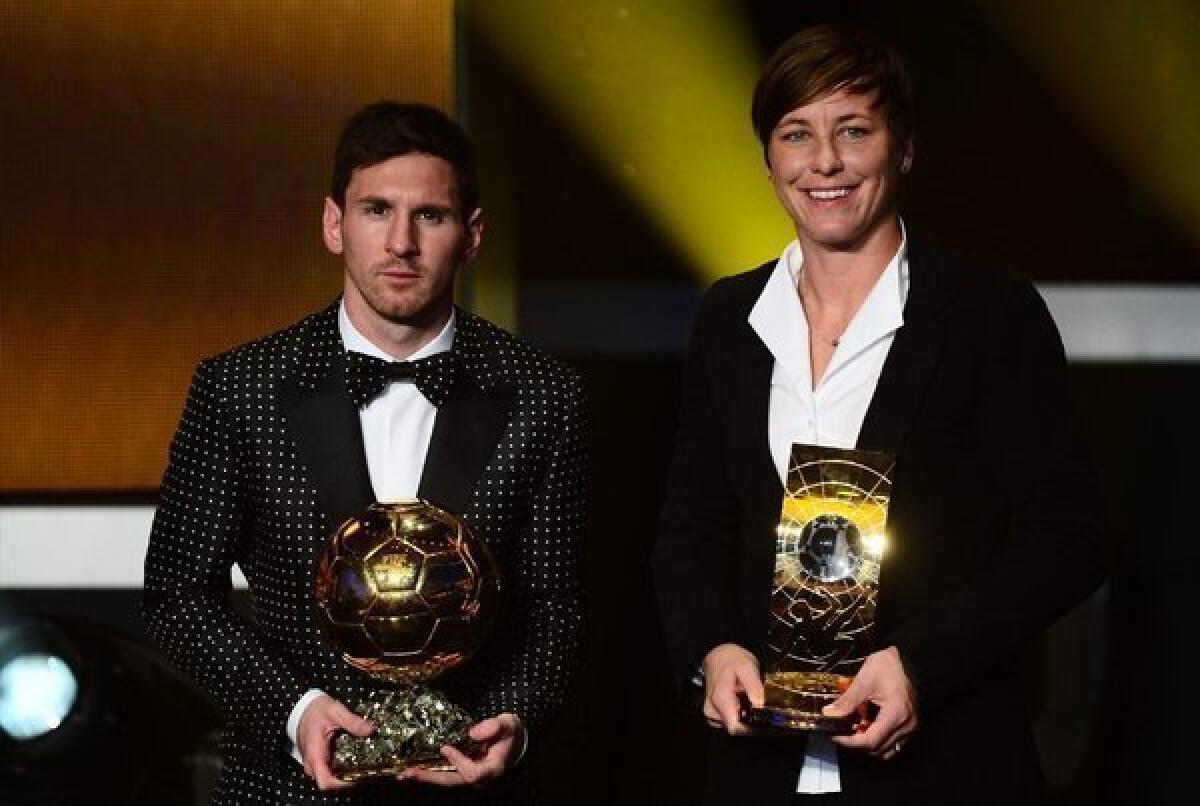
(405, 592)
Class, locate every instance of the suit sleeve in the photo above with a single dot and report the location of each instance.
(197, 536)
(532, 680)
(1054, 552)
(695, 558)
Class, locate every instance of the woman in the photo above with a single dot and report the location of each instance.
(864, 335)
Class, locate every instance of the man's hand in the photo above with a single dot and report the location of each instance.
(728, 671)
(504, 738)
(324, 717)
(883, 682)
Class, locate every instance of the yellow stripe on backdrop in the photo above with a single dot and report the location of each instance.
(659, 92)
(1130, 71)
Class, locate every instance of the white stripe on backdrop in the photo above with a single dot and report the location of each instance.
(103, 547)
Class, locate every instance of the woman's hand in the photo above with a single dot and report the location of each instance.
(883, 682)
(730, 670)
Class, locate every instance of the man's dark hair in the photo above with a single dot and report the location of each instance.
(383, 130)
(821, 60)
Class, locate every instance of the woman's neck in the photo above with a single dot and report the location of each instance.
(837, 279)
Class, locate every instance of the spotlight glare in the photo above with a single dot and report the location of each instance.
(37, 691)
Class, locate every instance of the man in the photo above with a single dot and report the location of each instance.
(283, 439)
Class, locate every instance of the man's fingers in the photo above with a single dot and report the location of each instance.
(467, 772)
(497, 733)
(432, 777)
(349, 721)
(318, 768)
(475, 771)
(487, 730)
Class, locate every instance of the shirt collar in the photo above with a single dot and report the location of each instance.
(778, 317)
(354, 341)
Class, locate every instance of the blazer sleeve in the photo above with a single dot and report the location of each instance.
(695, 558)
(533, 678)
(197, 536)
(1053, 552)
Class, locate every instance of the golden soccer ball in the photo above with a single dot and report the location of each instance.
(405, 591)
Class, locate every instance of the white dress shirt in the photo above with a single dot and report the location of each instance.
(831, 414)
(396, 427)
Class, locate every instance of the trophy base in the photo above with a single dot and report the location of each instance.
(794, 701)
(412, 725)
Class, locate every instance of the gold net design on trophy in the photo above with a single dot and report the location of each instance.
(829, 545)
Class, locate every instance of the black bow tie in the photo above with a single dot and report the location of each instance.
(367, 376)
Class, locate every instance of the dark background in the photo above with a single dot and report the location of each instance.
(1006, 172)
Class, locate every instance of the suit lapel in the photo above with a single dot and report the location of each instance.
(913, 357)
(470, 424)
(465, 434)
(328, 435)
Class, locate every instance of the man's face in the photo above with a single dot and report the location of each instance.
(402, 236)
(834, 166)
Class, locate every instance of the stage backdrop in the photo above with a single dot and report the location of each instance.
(163, 171)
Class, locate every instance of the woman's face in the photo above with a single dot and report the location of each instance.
(834, 166)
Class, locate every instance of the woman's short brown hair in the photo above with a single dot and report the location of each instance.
(817, 61)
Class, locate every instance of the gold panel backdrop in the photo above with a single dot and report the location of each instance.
(163, 171)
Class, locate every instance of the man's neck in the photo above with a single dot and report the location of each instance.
(398, 339)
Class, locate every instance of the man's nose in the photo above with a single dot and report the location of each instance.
(402, 238)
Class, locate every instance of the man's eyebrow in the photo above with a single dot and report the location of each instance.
(435, 207)
(373, 201)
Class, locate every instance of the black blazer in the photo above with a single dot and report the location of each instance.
(269, 459)
(993, 524)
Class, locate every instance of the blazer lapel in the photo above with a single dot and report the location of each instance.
(467, 427)
(756, 366)
(325, 425)
(914, 355)
(465, 434)
(760, 479)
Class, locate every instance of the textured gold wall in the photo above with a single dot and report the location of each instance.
(162, 168)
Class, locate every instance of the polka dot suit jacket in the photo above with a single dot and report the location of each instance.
(268, 460)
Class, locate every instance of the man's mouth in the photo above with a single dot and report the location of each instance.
(405, 272)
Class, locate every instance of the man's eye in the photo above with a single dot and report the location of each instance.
(432, 216)
(376, 209)
(855, 132)
(796, 136)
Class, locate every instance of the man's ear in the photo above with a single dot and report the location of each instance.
(331, 226)
(474, 234)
